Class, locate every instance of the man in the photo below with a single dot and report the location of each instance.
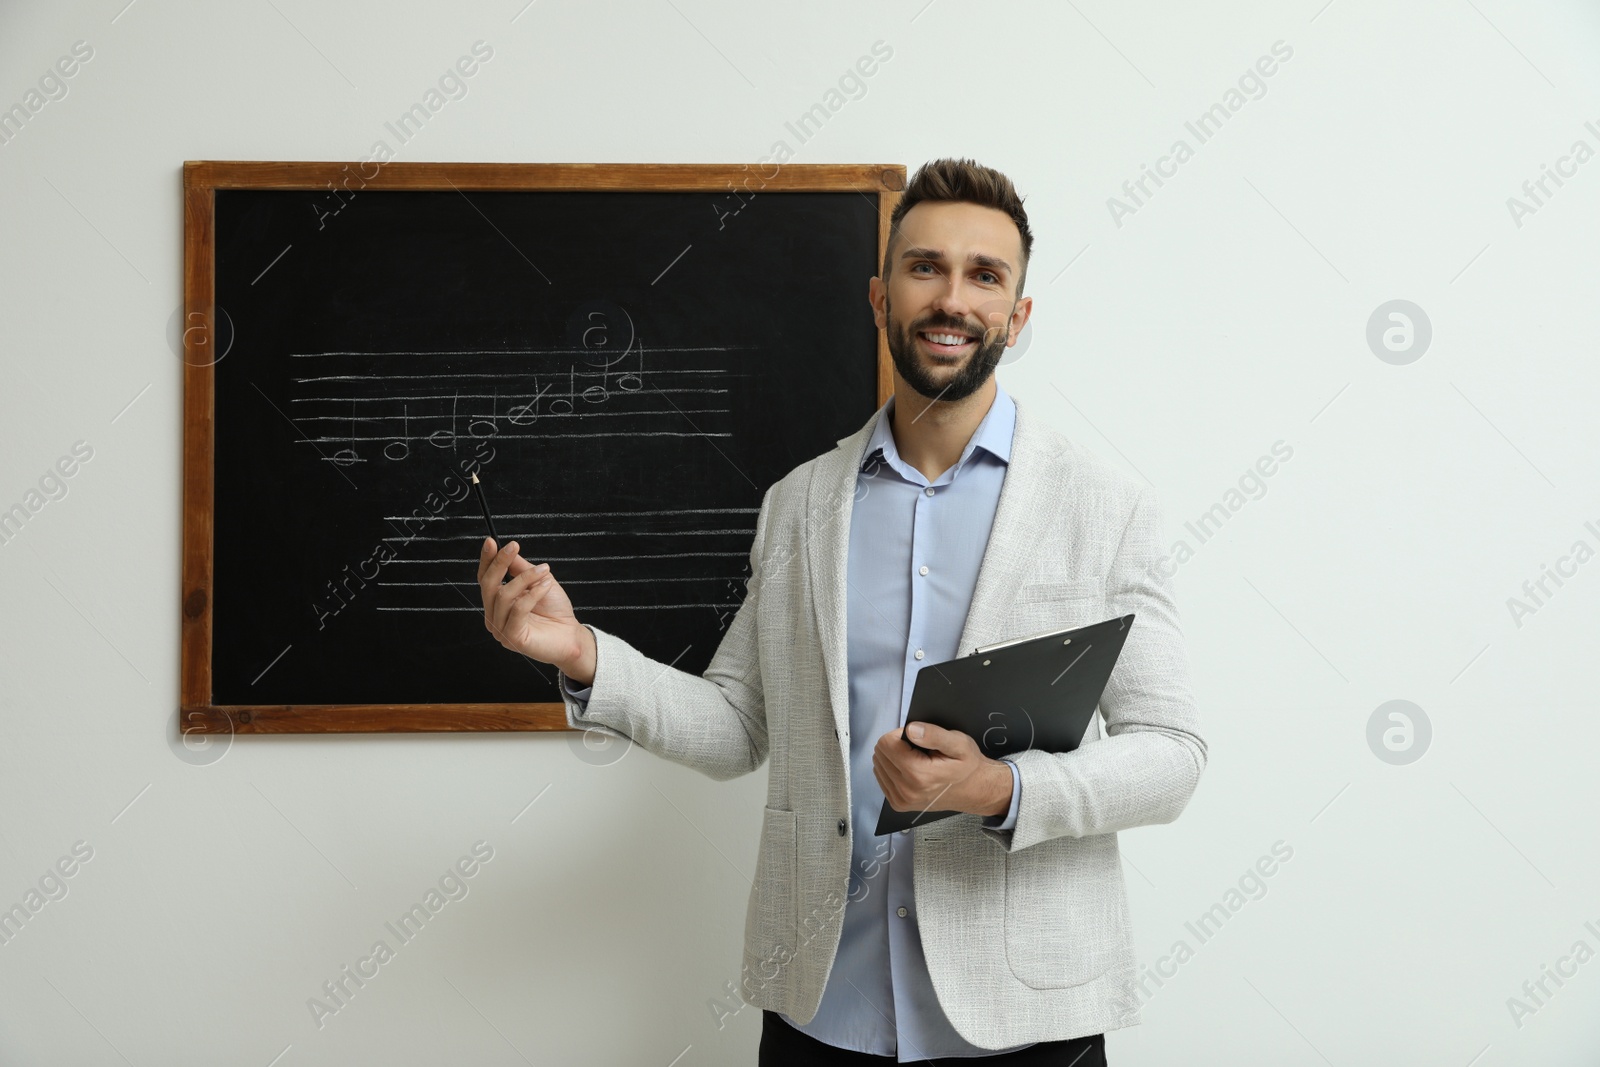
(953, 518)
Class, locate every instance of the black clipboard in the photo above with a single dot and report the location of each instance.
(1030, 692)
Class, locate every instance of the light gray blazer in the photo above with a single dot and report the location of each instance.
(1026, 931)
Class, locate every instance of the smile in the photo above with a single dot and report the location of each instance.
(946, 343)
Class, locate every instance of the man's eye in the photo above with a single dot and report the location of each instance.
(994, 279)
(918, 265)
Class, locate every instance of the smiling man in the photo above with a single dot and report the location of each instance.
(955, 517)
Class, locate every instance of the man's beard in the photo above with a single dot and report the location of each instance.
(968, 379)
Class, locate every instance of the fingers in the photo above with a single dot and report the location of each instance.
(493, 561)
(888, 749)
(518, 597)
(492, 568)
(890, 777)
(939, 741)
(905, 774)
(519, 563)
(892, 783)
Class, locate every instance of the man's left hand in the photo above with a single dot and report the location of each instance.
(954, 776)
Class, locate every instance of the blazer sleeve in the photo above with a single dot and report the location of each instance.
(715, 723)
(1147, 766)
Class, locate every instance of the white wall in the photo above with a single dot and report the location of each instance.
(1228, 313)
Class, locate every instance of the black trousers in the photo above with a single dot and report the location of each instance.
(784, 1046)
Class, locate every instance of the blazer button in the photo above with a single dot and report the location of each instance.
(841, 827)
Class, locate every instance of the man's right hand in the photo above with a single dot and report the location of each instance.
(531, 614)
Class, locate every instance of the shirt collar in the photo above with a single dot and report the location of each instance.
(993, 434)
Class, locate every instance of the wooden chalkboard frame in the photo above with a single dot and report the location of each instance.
(201, 180)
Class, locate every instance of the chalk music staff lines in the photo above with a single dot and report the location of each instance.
(390, 407)
(463, 534)
(536, 403)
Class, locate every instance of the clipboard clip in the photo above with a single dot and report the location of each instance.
(982, 649)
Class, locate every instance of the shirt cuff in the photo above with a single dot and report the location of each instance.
(1010, 820)
(580, 695)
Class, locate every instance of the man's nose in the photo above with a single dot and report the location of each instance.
(954, 302)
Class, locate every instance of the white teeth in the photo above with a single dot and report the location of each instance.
(947, 338)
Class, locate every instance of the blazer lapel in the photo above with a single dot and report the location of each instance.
(1030, 497)
(830, 499)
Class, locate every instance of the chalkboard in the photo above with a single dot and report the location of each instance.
(626, 355)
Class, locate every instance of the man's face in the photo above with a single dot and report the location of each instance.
(949, 309)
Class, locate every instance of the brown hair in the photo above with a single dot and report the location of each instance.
(966, 181)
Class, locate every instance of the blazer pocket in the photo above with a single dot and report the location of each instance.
(771, 920)
(1065, 911)
(1053, 589)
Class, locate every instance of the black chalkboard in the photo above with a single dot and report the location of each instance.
(626, 371)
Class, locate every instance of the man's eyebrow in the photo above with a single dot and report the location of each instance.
(976, 258)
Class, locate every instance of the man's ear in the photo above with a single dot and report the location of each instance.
(877, 296)
(1019, 319)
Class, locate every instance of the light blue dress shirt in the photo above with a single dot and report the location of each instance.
(915, 550)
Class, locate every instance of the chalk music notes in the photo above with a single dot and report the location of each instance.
(404, 443)
(412, 404)
(601, 328)
(612, 382)
(628, 382)
(346, 456)
(396, 439)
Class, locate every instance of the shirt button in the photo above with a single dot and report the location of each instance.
(907, 830)
(900, 912)
(919, 653)
(922, 570)
(841, 827)
(929, 490)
